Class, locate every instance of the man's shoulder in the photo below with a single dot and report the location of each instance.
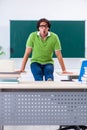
(53, 34)
(33, 33)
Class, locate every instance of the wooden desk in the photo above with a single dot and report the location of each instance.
(44, 85)
(43, 103)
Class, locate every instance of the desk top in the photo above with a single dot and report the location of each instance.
(44, 85)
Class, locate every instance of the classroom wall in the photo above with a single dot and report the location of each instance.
(36, 9)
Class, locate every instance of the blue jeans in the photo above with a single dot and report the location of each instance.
(39, 71)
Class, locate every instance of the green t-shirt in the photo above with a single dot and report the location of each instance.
(42, 50)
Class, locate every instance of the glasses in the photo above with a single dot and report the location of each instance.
(43, 26)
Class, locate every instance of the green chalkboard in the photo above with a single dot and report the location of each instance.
(71, 34)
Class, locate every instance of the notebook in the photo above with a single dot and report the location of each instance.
(9, 80)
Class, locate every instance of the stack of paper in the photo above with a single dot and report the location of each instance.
(9, 77)
(7, 71)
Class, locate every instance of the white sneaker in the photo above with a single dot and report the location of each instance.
(49, 79)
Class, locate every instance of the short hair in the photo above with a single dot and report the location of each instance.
(43, 20)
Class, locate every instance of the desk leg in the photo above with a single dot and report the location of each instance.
(80, 127)
(1, 127)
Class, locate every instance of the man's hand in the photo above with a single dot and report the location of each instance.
(67, 72)
(20, 71)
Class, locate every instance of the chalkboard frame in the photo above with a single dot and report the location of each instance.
(71, 35)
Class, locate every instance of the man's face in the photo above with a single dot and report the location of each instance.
(43, 28)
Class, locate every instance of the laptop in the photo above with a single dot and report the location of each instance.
(7, 69)
(83, 69)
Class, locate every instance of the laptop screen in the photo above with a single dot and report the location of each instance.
(83, 70)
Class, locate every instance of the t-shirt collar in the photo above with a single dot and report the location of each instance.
(38, 33)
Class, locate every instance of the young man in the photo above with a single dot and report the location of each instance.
(43, 44)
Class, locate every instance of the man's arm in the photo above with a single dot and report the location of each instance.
(60, 59)
(25, 58)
